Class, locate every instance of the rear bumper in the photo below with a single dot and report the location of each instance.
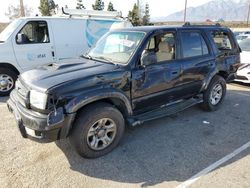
(37, 126)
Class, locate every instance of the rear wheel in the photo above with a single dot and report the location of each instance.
(215, 93)
(98, 129)
(7, 81)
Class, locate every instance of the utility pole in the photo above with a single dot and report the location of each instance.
(138, 5)
(22, 13)
(248, 14)
(185, 11)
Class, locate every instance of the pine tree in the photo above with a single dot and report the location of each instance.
(111, 7)
(80, 5)
(99, 5)
(47, 7)
(133, 16)
(146, 17)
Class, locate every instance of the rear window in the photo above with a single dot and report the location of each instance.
(222, 40)
(193, 44)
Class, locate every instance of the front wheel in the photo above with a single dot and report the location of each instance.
(215, 94)
(7, 81)
(98, 129)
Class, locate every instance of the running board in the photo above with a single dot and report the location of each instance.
(165, 110)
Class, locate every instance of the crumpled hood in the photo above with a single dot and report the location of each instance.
(46, 77)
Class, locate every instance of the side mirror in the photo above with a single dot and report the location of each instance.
(20, 38)
(148, 58)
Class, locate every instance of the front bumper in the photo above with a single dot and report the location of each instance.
(37, 126)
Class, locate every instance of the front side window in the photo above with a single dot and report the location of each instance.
(117, 47)
(33, 32)
(221, 40)
(193, 44)
(163, 45)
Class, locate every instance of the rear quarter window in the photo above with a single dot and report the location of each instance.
(222, 40)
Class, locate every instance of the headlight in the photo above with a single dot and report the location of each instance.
(38, 99)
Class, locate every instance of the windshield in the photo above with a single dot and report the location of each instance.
(116, 47)
(9, 30)
(245, 45)
(241, 37)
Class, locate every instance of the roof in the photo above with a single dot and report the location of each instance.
(70, 18)
(153, 28)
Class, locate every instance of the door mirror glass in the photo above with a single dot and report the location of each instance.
(148, 58)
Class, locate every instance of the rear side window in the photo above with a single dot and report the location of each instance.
(33, 32)
(221, 40)
(193, 44)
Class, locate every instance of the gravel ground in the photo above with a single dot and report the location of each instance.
(160, 153)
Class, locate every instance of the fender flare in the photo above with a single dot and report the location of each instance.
(95, 95)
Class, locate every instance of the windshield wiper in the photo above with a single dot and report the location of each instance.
(105, 59)
(87, 56)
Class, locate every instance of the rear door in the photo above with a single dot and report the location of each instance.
(197, 61)
(36, 47)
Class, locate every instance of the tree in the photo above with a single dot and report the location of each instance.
(146, 17)
(111, 7)
(133, 16)
(15, 11)
(47, 7)
(99, 5)
(79, 5)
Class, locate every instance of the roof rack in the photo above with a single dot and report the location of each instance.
(188, 24)
(91, 13)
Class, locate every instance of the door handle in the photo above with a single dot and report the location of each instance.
(53, 54)
(174, 72)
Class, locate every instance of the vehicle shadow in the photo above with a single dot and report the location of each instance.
(171, 149)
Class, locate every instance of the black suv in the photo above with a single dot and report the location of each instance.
(130, 76)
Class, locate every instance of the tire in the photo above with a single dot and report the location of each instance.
(87, 120)
(209, 102)
(9, 76)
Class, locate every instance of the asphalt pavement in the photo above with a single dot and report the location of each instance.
(162, 153)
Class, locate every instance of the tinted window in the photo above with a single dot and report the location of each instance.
(222, 40)
(34, 32)
(193, 44)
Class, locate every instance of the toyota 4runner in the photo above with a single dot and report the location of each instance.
(130, 76)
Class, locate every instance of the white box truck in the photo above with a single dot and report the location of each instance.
(30, 42)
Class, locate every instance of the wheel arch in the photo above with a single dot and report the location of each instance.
(221, 73)
(9, 66)
(115, 98)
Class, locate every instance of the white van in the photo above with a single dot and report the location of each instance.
(30, 42)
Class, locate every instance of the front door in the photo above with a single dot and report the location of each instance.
(154, 84)
(33, 45)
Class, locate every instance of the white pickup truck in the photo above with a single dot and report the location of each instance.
(30, 42)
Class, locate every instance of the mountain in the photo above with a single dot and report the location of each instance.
(228, 10)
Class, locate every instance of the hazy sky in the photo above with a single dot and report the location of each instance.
(158, 8)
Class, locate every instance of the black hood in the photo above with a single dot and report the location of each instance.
(46, 77)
